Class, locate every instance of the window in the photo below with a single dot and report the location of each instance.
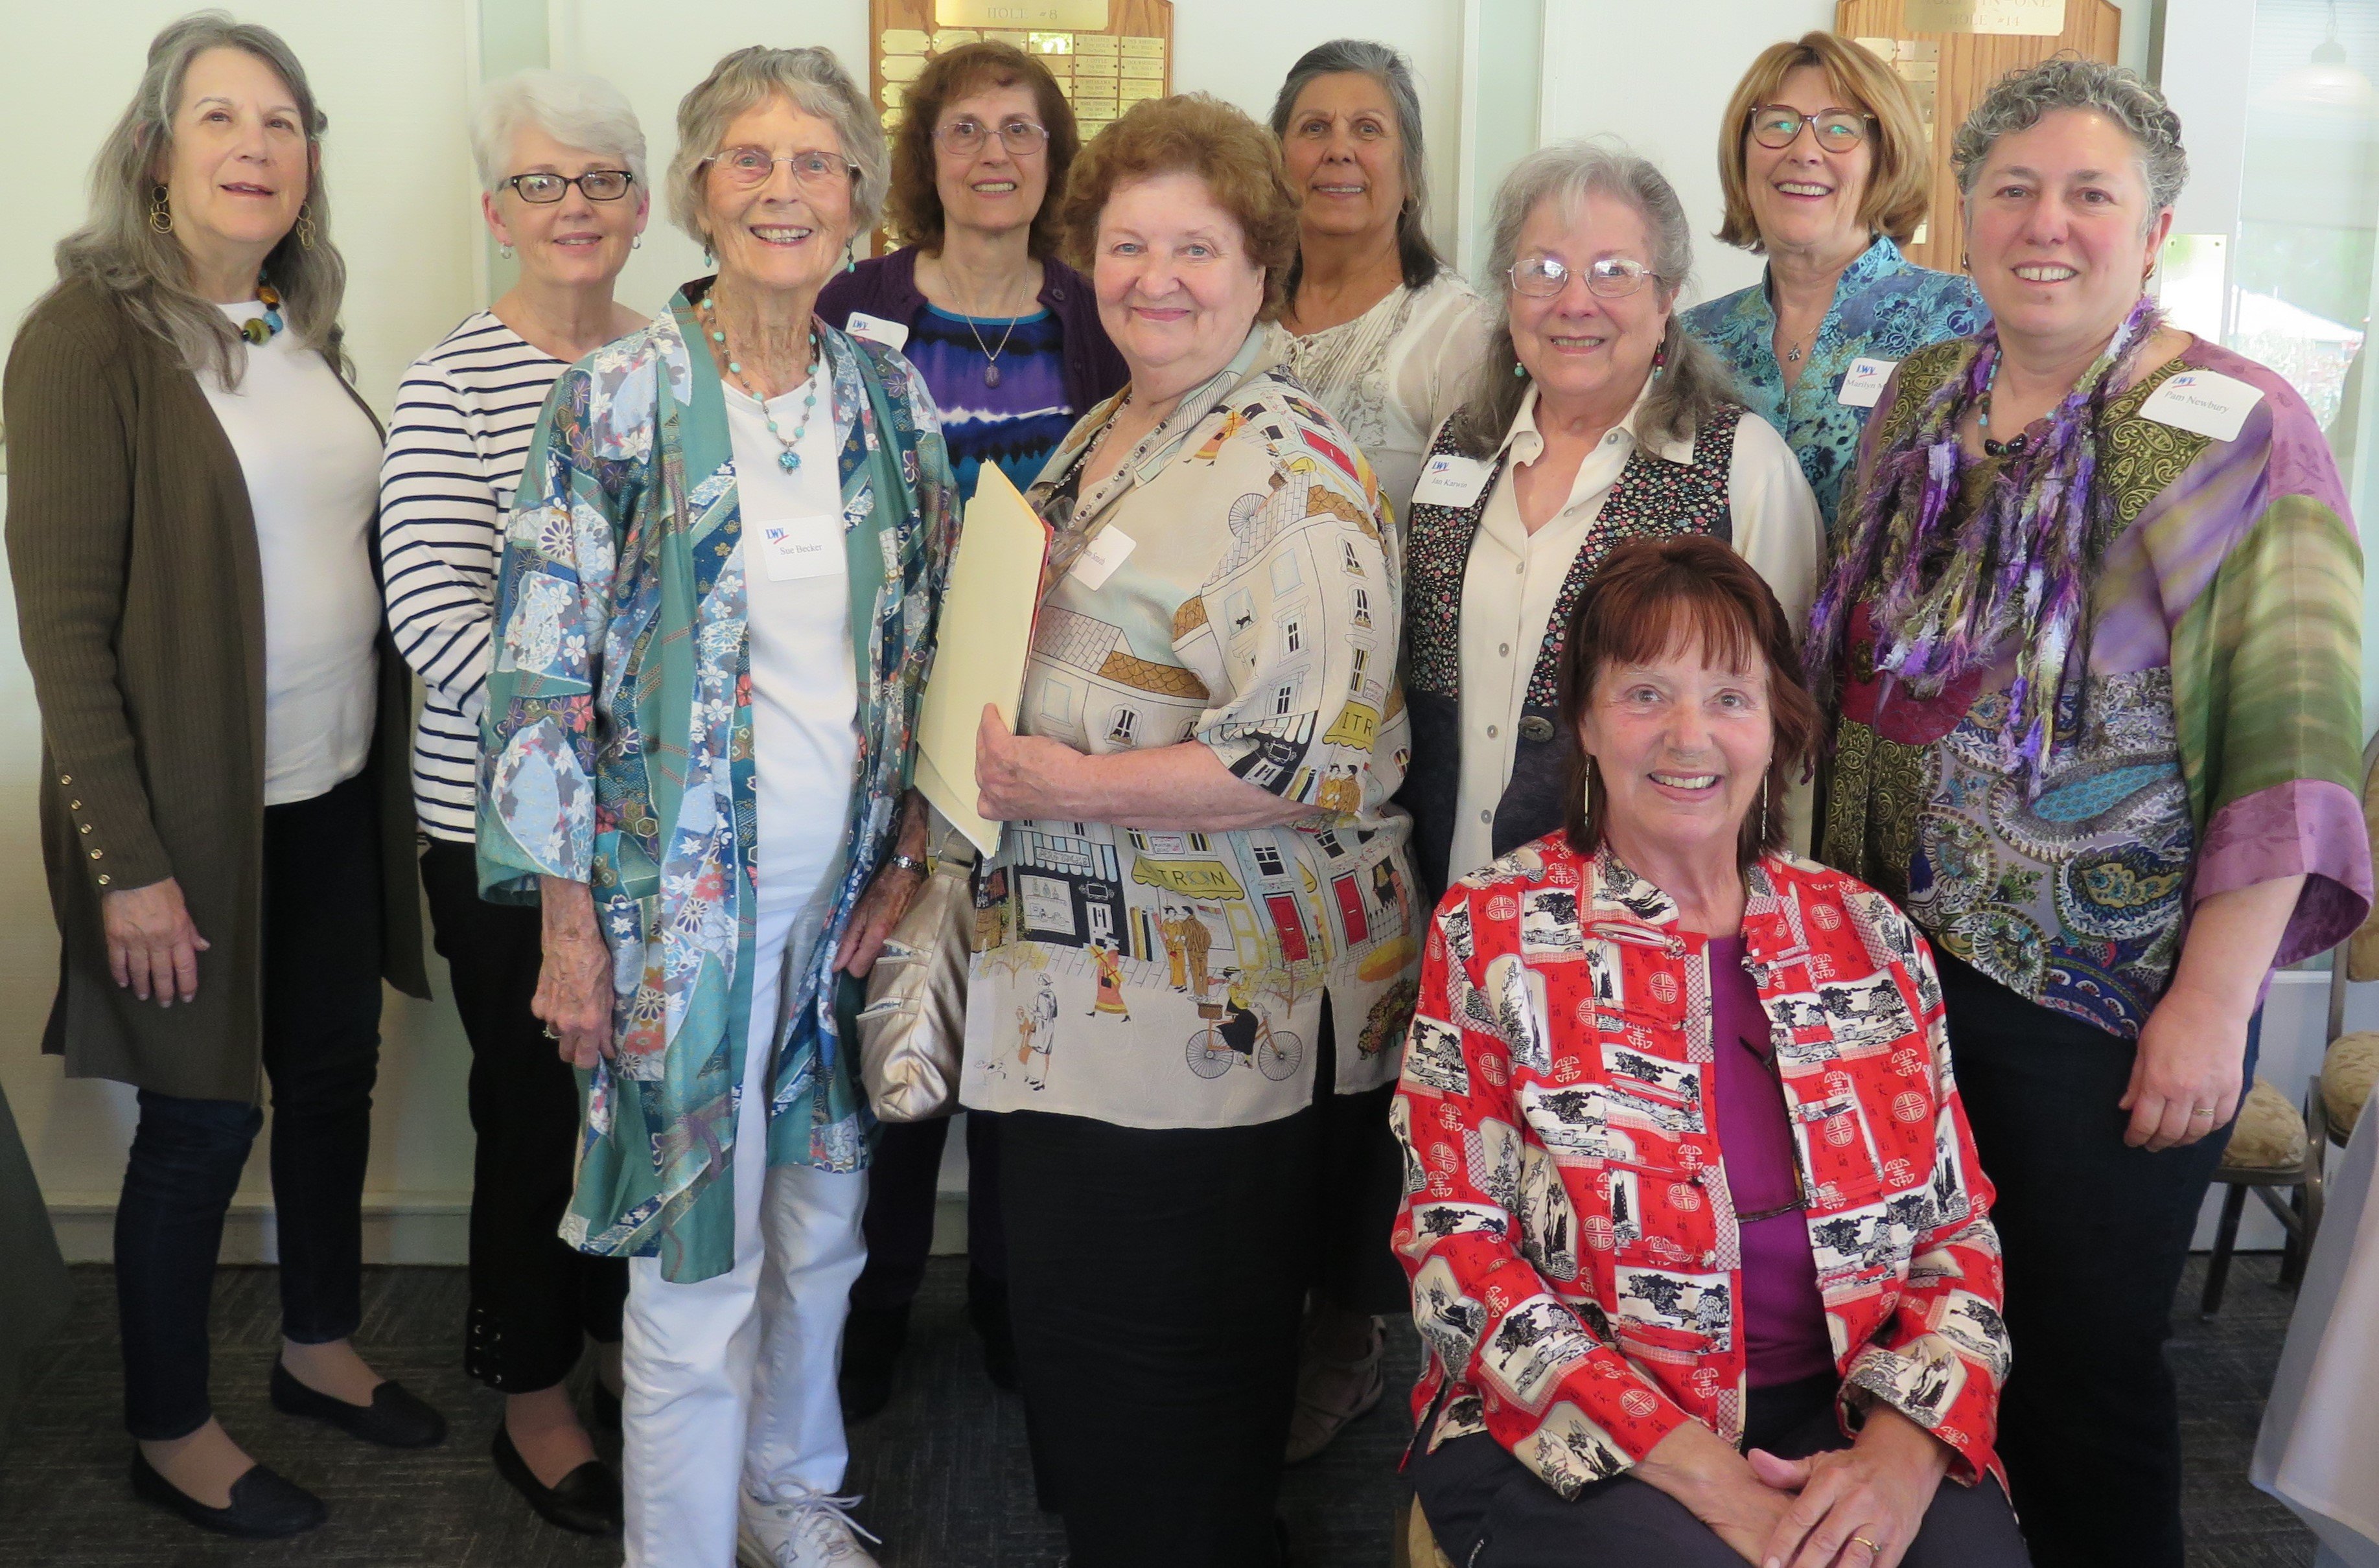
(1292, 633)
(1362, 607)
(1284, 572)
(1284, 702)
(1353, 563)
(1241, 608)
(1058, 701)
(1362, 664)
(1268, 861)
(1119, 731)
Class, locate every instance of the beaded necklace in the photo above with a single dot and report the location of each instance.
(2014, 443)
(789, 458)
(261, 330)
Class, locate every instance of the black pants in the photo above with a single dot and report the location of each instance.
(535, 1300)
(902, 1185)
(2095, 1235)
(1158, 1278)
(1488, 1510)
(321, 994)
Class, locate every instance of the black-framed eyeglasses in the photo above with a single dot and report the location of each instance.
(963, 136)
(1778, 126)
(1612, 277)
(815, 172)
(594, 185)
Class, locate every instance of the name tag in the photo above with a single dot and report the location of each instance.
(1450, 479)
(1100, 558)
(794, 547)
(1863, 382)
(2205, 403)
(876, 329)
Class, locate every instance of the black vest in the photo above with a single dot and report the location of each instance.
(1653, 498)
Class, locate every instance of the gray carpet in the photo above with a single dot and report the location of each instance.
(943, 1469)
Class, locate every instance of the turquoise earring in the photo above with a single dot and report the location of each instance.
(1519, 371)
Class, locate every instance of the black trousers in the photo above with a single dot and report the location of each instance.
(1488, 1510)
(535, 1300)
(2095, 1235)
(1158, 1278)
(321, 995)
(902, 1183)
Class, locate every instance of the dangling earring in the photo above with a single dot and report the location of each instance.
(635, 242)
(1660, 357)
(306, 224)
(1519, 371)
(505, 251)
(1763, 814)
(707, 258)
(160, 217)
(849, 255)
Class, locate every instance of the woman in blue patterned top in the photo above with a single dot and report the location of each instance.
(1821, 156)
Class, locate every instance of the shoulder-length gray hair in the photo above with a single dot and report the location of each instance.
(817, 84)
(2018, 100)
(1419, 259)
(118, 251)
(1691, 387)
(575, 109)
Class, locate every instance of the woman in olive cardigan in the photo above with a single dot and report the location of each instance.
(225, 812)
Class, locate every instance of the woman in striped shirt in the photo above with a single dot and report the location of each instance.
(562, 162)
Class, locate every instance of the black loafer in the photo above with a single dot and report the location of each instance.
(586, 1499)
(393, 1418)
(264, 1506)
(872, 1340)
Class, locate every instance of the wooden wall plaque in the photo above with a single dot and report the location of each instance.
(1104, 69)
(1950, 71)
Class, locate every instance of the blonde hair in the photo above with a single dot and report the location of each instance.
(1896, 198)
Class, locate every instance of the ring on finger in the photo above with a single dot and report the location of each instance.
(549, 1034)
(2203, 1114)
(1872, 1550)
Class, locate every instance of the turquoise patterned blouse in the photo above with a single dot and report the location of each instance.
(1885, 307)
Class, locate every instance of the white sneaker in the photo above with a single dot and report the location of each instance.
(805, 1530)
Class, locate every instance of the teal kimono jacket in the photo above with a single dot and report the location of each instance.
(616, 750)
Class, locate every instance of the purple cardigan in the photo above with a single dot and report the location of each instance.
(886, 287)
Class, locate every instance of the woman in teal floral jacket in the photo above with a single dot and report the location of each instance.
(718, 601)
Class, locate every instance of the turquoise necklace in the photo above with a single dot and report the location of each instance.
(261, 330)
(790, 459)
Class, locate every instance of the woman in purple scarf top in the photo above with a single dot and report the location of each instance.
(2093, 640)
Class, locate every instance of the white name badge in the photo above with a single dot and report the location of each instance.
(2205, 403)
(1450, 479)
(1863, 382)
(876, 329)
(794, 547)
(1100, 558)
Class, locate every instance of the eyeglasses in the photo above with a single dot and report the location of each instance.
(1612, 277)
(1777, 127)
(815, 172)
(594, 185)
(962, 137)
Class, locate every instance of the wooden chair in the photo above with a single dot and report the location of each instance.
(2276, 1148)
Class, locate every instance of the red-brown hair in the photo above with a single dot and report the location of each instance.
(1654, 598)
(914, 206)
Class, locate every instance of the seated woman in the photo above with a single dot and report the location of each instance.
(1686, 1174)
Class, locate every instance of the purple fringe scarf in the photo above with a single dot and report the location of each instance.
(1951, 593)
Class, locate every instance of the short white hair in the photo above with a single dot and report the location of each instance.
(575, 109)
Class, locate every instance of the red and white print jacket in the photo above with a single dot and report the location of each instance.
(1574, 1257)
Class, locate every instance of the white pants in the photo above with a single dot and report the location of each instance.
(731, 1380)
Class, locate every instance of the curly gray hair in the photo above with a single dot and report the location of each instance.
(117, 249)
(817, 84)
(2018, 100)
(1693, 386)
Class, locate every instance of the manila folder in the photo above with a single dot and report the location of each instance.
(987, 633)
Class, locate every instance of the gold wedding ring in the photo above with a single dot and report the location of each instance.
(1872, 1549)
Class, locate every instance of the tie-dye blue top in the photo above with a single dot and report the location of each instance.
(1886, 307)
(1016, 424)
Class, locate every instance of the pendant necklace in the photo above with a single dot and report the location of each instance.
(789, 459)
(991, 355)
(2014, 444)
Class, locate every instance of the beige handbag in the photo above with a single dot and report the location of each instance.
(913, 1031)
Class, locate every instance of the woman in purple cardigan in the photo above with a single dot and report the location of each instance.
(1006, 338)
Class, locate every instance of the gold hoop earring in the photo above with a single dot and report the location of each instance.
(306, 224)
(160, 217)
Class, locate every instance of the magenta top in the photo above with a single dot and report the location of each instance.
(1784, 1317)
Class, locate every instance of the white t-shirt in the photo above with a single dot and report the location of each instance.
(804, 684)
(311, 460)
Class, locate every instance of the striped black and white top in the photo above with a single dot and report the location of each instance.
(465, 415)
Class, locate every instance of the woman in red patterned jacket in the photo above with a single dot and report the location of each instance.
(1697, 1240)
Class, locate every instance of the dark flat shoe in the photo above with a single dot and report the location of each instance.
(872, 1340)
(393, 1418)
(586, 1499)
(987, 1310)
(604, 1406)
(264, 1506)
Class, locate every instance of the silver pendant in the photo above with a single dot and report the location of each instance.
(991, 374)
